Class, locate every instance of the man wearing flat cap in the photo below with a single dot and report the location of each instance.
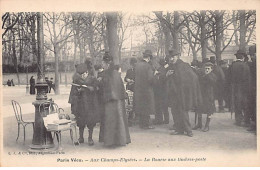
(240, 88)
(144, 104)
(183, 92)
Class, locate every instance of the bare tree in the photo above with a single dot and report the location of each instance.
(54, 22)
(112, 37)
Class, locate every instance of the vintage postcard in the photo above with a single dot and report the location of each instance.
(129, 83)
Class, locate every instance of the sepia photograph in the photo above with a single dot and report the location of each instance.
(165, 86)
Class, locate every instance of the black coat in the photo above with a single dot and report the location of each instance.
(143, 91)
(32, 86)
(240, 82)
(183, 87)
(207, 83)
(220, 83)
(83, 101)
(160, 88)
(130, 74)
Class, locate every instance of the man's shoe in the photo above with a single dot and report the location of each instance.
(197, 127)
(166, 122)
(90, 142)
(176, 133)
(251, 129)
(173, 127)
(190, 134)
(206, 128)
(237, 123)
(81, 140)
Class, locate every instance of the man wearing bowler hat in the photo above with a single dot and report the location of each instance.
(183, 92)
(144, 104)
(240, 88)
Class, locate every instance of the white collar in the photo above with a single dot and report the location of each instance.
(146, 59)
(239, 60)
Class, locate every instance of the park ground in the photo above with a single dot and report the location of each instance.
(224, 142)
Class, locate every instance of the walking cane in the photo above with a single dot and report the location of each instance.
(232, 101)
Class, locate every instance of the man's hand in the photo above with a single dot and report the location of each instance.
(170, 72)
(99, 79)
(90, 88)
(156, 72)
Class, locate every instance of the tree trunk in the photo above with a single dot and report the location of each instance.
(75, 52)
(20, 34)
(203, 40)
(219, 20)
(112, 36)
(34, 46)
(57, 81)
(242, 45)
(40, 38)
(15, 59)
(104, 33)
(81, 50)
(234, 19)
(175, 35)
(56, 55)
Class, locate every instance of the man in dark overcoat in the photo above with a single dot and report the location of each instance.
(219, 86)
(227, 89)
(240, 87)
(184, 92)
(160, 95)
(252, 100)
(143, 91)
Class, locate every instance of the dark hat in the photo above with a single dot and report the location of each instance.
(173, 53)
(240, 52)
(195, 63)
(133, 61)
(162, 62)
(97, 67)
(208, 64)
(88, 62)
(205, 60)
(212, 59)
(221, 62)
(82, 68)
(252, 50)
(107, 57)
(148, 53)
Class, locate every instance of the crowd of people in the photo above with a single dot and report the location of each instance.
(98, 94)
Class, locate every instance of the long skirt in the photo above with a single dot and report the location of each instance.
(116, 130)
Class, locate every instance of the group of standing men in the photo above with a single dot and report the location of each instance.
(177, 85)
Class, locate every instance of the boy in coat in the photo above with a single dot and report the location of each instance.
(207, 82)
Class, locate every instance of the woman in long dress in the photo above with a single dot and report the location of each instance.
(115, 130)
(32, 85)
